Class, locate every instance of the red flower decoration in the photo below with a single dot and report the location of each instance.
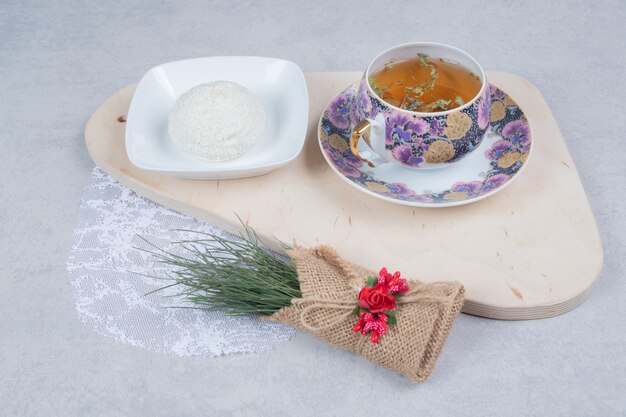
(395, 284)
(377, 300)
(374, 323)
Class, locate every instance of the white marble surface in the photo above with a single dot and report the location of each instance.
(59, 60)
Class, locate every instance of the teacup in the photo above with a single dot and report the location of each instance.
(414, 139)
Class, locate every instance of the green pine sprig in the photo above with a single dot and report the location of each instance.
(236, 276)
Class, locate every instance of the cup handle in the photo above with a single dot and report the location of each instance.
(363, 130)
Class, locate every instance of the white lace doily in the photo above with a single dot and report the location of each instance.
(109, 279)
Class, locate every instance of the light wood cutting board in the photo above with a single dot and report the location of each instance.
(530, 251)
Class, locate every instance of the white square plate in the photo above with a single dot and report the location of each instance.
(278, 84)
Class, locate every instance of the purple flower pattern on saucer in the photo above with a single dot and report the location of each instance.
(498, 149)
(494, 182)
(518, 133)
(506, 156)
(467, 187)
(397, 188)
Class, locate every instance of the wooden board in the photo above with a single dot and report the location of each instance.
(530, 251)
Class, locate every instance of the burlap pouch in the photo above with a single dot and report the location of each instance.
(329, 288)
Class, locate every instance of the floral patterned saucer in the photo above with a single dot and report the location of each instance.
(497, 161)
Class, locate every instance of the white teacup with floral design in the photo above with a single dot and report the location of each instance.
(414, 139)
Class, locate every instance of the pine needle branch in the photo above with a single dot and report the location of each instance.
(233, 276)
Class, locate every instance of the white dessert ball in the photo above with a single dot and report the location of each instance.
(216, 121)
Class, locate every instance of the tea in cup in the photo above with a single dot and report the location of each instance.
(421, 105)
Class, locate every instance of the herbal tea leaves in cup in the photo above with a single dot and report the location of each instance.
(425, 85)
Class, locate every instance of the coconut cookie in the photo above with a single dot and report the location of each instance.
(216, 121)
